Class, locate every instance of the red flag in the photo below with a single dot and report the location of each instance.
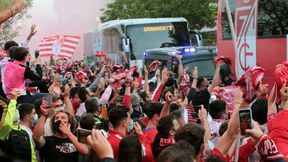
(62, 46)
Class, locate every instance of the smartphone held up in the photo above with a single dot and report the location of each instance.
(245, 118)
(48, 99)
(82, 135)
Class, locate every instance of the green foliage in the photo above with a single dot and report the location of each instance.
(4, 4)
(209, 38)
(9, 30)
(198, 13)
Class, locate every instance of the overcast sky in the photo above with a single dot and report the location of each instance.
(54, 17)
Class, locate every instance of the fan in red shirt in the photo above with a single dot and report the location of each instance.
(153, 112)
(122, 123)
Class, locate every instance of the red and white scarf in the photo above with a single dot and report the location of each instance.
(166, 142)
(250, 81)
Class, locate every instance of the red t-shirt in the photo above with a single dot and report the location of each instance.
(245, 151)
(148, 150)
(217, 153)
(114, 139)
(151, 133)
(277, 125)
(75, 105)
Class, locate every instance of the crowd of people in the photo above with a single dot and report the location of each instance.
(66, 110)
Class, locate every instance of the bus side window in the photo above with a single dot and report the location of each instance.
(272, 21)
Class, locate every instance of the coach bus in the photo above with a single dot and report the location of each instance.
(135, 36)
(260, 34)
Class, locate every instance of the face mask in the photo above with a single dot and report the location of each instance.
(56, 126)
(35, 120)
(131, 126)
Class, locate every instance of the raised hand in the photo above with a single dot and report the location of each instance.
(168, 97)
(195, 73)
(66, 91)
(15, 93)
(45, 109)
(255, 133)
(178, 56)
(202, 113)
(100, 145)
(33, 30)
(65, 129)
(138, 129)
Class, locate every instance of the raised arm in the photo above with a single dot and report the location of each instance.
(33, 31)
(100, 145)
(216, 79)
(267, 148)
(195, 77)
(38, 131)
(146, 84)
(127, 96)
(157, 93)
(66, 96)
(166, 107)
(11, 11)
(93, 86)
(9, 117)
(227, 139)
(272, 109)
(204, 121)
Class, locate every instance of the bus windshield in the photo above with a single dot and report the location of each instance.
(149, 36)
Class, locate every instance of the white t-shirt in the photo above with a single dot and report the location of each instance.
(214, 128)
(81, 110)
(47, 127)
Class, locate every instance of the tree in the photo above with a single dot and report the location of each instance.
(9, 29)
(198, 13)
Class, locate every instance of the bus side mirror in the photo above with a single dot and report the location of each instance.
(196, 38)
(126, 45)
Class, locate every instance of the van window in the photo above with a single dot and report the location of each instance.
(205, 67)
